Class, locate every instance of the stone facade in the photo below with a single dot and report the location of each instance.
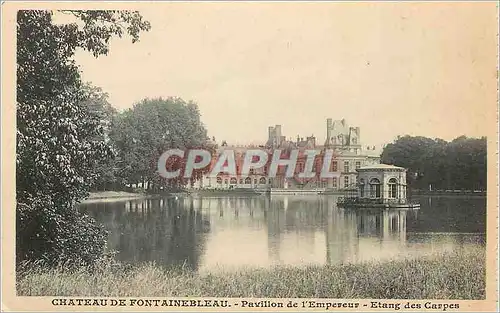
(344, 140)
(256, 179)
(382, 181)
(349, 155)
(339, 135)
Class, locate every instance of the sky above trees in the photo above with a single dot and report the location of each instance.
(425, 69)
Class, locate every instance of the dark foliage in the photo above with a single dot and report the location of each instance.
(141, 134)
(59, 136)
(456, 165)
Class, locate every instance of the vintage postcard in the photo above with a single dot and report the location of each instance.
(250, 156)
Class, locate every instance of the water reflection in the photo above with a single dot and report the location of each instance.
(153, 230)
(206, 233)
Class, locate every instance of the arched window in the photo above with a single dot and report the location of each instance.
(248, 180)
(219, 180)
(393, 188)
(262, 181)
(374, 188)
(233, 181)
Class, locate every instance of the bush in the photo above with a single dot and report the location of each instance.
(57, 234)
(138, 190)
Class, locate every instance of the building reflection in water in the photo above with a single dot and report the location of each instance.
(205, 233)
(356, 236)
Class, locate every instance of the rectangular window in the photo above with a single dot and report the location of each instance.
(333, 166)
(334, 182)
(358, 164)
(346, 181)
(346, 166)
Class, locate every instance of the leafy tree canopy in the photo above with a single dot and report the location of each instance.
(459, 164)
(151, 127)
(60, 130)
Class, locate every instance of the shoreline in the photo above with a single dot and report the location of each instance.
(115, 196)
(447, 193)
(109, 196)
(100, 196)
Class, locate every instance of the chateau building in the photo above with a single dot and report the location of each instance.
(343, 140)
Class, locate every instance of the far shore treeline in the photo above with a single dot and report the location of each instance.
(70, 139)
(436, 164)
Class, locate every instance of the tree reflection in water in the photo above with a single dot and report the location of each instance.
(261, 230)
(161, 230)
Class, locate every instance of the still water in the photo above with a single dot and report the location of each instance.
(210, 233)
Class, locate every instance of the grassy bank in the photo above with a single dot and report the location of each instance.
(112, 194)
(447, 276)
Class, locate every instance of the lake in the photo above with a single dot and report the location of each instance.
(227, 232)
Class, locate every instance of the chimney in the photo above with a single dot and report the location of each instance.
(328, 129)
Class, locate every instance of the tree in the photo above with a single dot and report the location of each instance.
(459, 164)
(58, 134)
(104, 172)
(150, 128)
(468, 157)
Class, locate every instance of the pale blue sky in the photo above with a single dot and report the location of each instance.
(390, 68)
